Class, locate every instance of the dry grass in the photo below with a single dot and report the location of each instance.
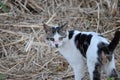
(24, 55)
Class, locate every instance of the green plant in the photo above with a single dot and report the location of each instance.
(3, 7)
(110, 79)
(2, 76)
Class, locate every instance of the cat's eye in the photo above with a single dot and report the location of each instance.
(53, 32)
(52, 39)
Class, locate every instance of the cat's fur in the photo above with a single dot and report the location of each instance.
(81, 48)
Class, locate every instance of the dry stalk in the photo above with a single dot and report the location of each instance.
(27, 56)
(5, 51)
(22, 25)
(24, 7)
(36, 5)
(10, 32)
(109, 31)
(13, 67)
(15, 42)
(98, 18)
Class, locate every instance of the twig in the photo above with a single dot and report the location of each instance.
(36, 5)
(45, 65)
(23, 25)
(98, 22)
(15, 42)
(10, 32)
(110, 31)
(6, 53)
(68, 76)
(6, 14)
(24, 6)
(14, 66)
(54, 14)
(51, 18)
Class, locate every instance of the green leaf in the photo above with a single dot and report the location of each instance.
(2, 76)
(109, 78)
(3, 7)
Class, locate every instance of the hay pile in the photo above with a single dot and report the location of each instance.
(24, 55)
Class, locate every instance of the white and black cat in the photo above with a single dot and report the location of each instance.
(79, 48)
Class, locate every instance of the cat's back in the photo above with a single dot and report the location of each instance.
(73, 33)
(83, 40)
(86, 36)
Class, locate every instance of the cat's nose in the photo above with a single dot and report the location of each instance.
(56, 45)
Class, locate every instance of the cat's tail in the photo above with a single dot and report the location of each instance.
(114, 42)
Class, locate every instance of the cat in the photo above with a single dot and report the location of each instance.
(82, 49)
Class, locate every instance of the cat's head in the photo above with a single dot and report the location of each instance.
(55, 35)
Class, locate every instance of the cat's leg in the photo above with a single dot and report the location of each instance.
(94, 69)
(110, 69)
(79, 70)
(93, 64)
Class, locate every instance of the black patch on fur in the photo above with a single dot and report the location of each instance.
(115, 41)
(103, 47)
(96, 72)
(114, 73)
(71, 34)
(55, 29)
(82, 42)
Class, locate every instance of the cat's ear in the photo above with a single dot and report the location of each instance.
(63, 25)
(46, 27)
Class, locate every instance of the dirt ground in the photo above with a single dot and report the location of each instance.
(24, 55)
